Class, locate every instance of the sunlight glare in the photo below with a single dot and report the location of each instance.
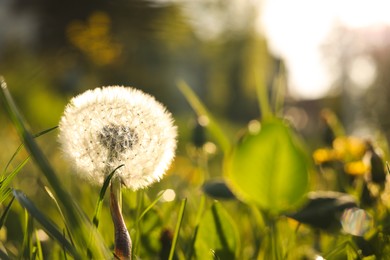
(297, 30)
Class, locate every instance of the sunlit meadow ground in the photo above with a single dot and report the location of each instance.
(253, 196)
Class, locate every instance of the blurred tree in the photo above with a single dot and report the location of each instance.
(150, 45)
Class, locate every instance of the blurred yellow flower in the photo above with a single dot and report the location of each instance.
(349, 148)
(94, 38)
(323, 155)
(356, 168)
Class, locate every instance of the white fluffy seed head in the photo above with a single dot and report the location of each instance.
(104, 128)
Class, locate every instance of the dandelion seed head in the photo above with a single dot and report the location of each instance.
(110, 126)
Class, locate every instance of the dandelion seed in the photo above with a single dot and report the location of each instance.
(106, 127)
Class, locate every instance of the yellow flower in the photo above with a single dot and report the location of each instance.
(323, 155)
(349, 148)
(356, 168)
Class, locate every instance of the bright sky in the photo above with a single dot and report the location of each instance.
(296, 29)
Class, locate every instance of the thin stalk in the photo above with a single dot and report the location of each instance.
(199, 214)
(149, 207)
(263, 99)
(140, 202)
(177, 229)
(122, 247)
(272, 249)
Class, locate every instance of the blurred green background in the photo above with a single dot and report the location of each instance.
(52, 50)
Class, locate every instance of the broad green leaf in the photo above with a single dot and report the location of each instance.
(217, 237)
(269, 168)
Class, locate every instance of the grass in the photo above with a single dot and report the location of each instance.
(259, 207)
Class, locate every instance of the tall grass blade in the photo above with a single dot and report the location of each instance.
(177, 229)
(190, 249)
(75, 217)
(38, 246)
(5, 213)
(279, 87)
(21, 146)
(27, 238)
(60, 211)
(201, 110)
(103, 190)
(263, 99)
(49, 227)
(4, 194)
(4, 255)
(10, 160)
(4, 189)
(150, 206)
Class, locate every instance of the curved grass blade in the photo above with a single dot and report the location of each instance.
(103, 190)
(4, 255)
(60, 211)
(10, 160)
(201, 110)
(5, 213)
(80, 225)
(137, 239)
(21, 146)
(27, 241)
(63, 248)
(262, 96)
(177, 229)
(50, 228)
(45, 131)
(4, 183)
(150, 206)
(38, 246)
(199, 214)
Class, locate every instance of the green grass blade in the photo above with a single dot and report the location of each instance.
(27, 241)
(190, 249)
(50, 228)
(150, 206)
(63, 248)
(38, 246)
(4, 194)
(103, 190)
(4, 255)
(4, 189)
(45, 131)
(177, 229)
(5, 213)
(75, 217)
(262, 95)
(137, 239)
(10, 160)
(201, 110)
(48, 191)
(279, 87)
(21, 146)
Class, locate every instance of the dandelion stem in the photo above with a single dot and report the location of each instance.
(122, 248)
